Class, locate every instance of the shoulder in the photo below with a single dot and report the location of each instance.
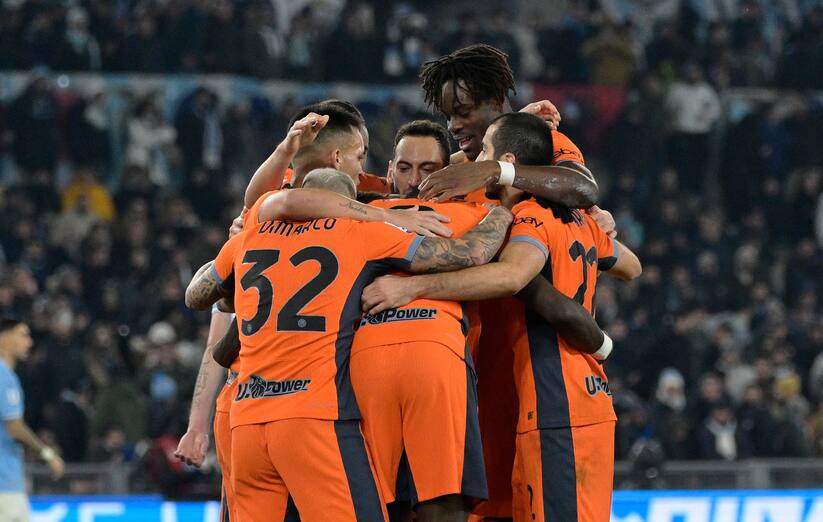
(7, 376)
(372, 183)
(565, 149)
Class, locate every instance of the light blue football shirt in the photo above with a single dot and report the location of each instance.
(12, 479)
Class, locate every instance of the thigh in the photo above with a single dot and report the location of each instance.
(373, 373)
(594, 467)
(327, 470)
(259, 490)
(441, 431)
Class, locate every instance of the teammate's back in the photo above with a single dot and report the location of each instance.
(297, 296)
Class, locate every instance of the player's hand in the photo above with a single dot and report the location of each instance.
(604, 219)
(545, 110)
(458, 180)
(237, 224)
(388, 292)
(426, 223)
(57, 466)
(303, 132)
(192, 448)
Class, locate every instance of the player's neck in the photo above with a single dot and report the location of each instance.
(302, 170)
(509, 200)
(8, 360)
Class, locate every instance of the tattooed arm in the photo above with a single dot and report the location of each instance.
(204, 290)
(477, 247)
(210, 378)
(308, 203)
(519, 263)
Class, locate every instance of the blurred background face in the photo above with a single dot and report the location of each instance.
(16, 342)
(415, 157)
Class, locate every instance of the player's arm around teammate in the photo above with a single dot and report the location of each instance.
(210, 378)
(433, 254)
(309, 203)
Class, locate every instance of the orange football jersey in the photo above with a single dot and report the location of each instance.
(297, 297)
(557, 385)
(446, 322)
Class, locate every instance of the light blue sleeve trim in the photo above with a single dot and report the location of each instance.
(413, 248)
(215, 309)
(215, 275)
(532, 241)
(607, 263)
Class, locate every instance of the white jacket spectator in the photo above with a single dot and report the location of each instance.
(694, 104)
(149, 137)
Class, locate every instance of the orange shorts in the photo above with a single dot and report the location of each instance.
(419, 407)
(222, 445)
(499, 411)
(564, 474)
(317, 468)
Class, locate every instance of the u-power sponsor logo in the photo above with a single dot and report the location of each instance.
(396, 315)
(259, 388)
(595, 385)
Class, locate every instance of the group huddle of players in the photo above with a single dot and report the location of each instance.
(358, 391)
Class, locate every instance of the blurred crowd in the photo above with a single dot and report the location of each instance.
(719, 346)
(739, 42)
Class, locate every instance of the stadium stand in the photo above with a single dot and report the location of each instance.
(112, 195)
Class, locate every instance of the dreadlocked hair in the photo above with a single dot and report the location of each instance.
(484, 70)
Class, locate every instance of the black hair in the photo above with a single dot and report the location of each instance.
(347, 106)
(341, 114)
(524, 135)
(426, 128)
(484, 70)
(529, 138)
(9, 323)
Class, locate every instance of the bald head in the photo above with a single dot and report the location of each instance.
(332, 180)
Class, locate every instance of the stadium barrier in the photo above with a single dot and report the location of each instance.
(754, 474)
(628, 506)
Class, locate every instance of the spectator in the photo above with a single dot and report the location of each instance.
(144, 49)
(756, 420)
(695, 108)
(84, 185)
(88, 131)
(199, 134)
(224, 39)
(719, 436)
(151, 141)
(611, 56)
(670, 414)
(79, 50)
(33, 119)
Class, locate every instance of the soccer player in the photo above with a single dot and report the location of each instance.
(295, 421)
(565, 431)
(274, 173)
(471, 87)
(15, 343)
(430, 429)
(212, 391)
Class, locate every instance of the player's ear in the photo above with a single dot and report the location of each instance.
(508, 157)
(337, 158)
(390, 172)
